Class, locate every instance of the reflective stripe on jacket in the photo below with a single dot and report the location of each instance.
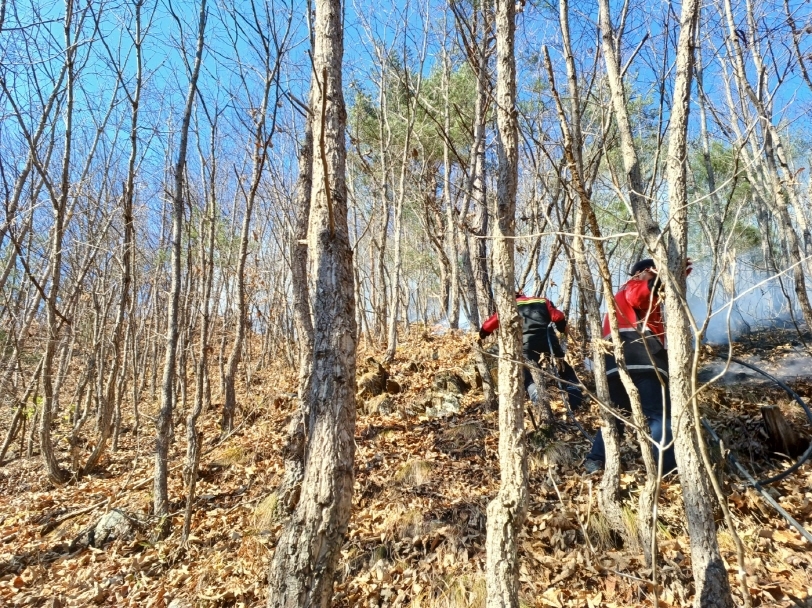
(537, 314)
(641, 328)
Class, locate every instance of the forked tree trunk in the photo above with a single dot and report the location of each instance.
(307, 553)
(507, 510)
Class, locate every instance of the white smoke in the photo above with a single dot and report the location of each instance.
(746, 299)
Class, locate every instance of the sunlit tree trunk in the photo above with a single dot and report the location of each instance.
(506, 511)
(710, 576)
(306, 555)
(290, 488)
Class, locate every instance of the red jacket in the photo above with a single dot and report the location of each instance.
(537, 314)
(640, 321)
(527, 305)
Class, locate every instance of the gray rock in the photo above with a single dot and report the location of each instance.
(470, 374)
(113, 525)
(448, 381)
(382, 404)
(443, 404)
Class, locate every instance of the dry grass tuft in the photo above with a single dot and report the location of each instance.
(726, 542)
(632, 527)
(265, 512)
(559, 453)
(464, 591)
(414, 473)
(405, 523)
(230, 455)
(600, 532)
(467, 431)
(536, 462)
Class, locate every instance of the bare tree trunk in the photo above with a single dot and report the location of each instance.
(478, 246)
(113, 379)
(712, 587)
(506, 511)
(610, 500)
(294, 452)
(710, 575)
(19, 412)
(193, 436)
(164, 421)
(260, 141)
(413, 91)
(306, 556)
(452, 306)
(54, 318)
(778, 174)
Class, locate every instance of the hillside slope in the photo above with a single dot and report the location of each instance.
(418, 526)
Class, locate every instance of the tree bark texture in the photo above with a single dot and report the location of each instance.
(710, 575)
(289, 489)
(507, 510)
(307, 553)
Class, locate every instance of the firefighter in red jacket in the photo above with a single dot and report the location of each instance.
(642, 333)
(537, 339)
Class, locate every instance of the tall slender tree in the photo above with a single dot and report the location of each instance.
(168, 394)
(506, 511)
(306, 555)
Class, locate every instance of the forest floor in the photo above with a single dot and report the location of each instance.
(422, 485)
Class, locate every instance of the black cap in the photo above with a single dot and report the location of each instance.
(642, 265)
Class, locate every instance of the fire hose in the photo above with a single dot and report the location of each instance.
(805, 456)
(758, 487)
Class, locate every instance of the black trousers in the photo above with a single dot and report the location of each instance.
(658, 417)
